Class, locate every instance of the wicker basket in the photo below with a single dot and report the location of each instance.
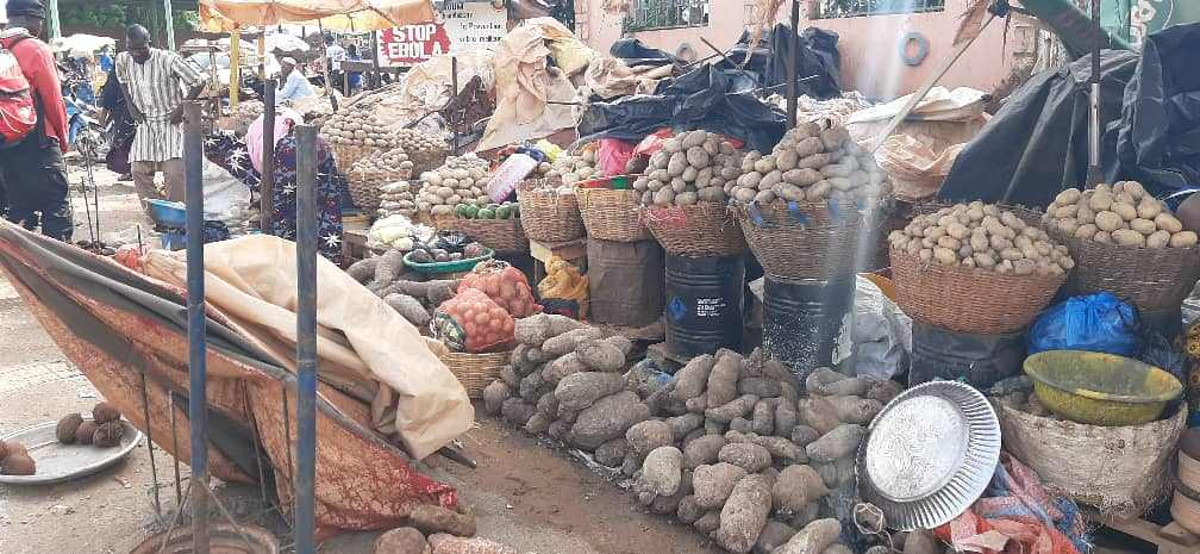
(476, 371)
(969, 300)
(364, 184)
(611, 214)
(700, 230)
(819, 239)
(505, 236)
(548, 216)
(346, 154)
(1156, 280)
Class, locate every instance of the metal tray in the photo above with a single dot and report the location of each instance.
(57, 462)
(929, 455)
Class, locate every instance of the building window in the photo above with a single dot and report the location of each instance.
(830, 9)
(648, 15)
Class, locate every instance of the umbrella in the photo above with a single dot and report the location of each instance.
(359, 15)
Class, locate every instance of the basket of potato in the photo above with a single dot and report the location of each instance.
(976, 268)
(804, 207)
(683, 196)
(1128, 243)
(355, 134)
(549, 210)
(366, 177)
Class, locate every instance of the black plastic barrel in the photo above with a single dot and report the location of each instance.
(704, 304)
(803, 318)
(979, 360)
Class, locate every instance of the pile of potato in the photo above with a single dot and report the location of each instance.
(982, 236)
(691, 167)
(727, 445)
(461, 180)
(389, 173)
(1119, 214)
(810, 163)
(570, 169)
(396, 198)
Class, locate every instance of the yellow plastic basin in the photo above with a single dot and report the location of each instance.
(1100, 389)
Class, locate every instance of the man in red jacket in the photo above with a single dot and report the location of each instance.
(34, 172)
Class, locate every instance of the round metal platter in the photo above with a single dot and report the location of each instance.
(929, 455)
(58, 462)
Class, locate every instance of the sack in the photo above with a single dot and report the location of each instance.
(472, 322)
(613, 156)
(505, 285)
(564, 291)
(18, 113)
(1095, 323)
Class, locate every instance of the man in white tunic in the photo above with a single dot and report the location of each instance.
(153, 81)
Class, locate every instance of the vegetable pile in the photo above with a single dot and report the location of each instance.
(1121, 214)
(391, 171)
(505, 285)
(396, 199)
(461, 180)
(692, 167)
(810, 163)
(431, 253)
(396, 232)
(412, 294)
(984, 236)
(472, 322)
(507, 210)
(727, 444)
(570, 169)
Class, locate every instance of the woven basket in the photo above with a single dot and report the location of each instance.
(824, 243)
(505, 236)
(364, 184)
(969, 300)
(611, 214)
(1156, 280)
(700, 230)
(346, 154)
(548, 216)
(476, 371)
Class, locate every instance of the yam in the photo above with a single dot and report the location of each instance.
(745, 514)
(580, 390)
(837, 474)
(708, 523)
(531, 387)
(684, 424)
(702, 451)
(803, 434)
(648, 435)
(797, 486)
(814, 538)
(884, 391)
(568, 364)
(410, 308)
(389, 267)
(548, 406)
(819, 413)
(517, 411)
(722, 380)
(773, 535)
(763, 417)
(601, 355)
(852, 409)
(494, 396)
(404, 540)
(363, 271)
(607, 419)
(712, 484)
(839, 443)
(785, 419)
(569, 341)
(431, 519)
(688, 511)
(447, 544)
(534, 330)
(538, 424)
(746, 455)
(510, 377)
(738, 407)
(662, 471)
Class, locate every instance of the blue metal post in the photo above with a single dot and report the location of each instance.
(306, 331)
(266, 187)
(193, 144)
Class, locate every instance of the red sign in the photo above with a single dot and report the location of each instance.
(458, 27)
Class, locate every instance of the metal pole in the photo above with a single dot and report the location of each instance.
(306, 332)
(193, 156)
(376, 81)
(150, 432)
(53, 28)
(266, 187)
(235, 68)
(1094, 174)
(170, 24)
(454, 95)
(793, 50)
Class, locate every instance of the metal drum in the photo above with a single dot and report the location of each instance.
(803, 320)
(980, 360)
(704, 304)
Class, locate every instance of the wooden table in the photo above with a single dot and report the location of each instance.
(354, 245)
(574, 252)
(1171, 538)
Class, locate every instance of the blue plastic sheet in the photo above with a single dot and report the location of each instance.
(1095, 323)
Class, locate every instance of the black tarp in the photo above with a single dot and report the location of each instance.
(819, 61)
(1158, 142)
(1036, 145)
(721, 101)
(634, 53)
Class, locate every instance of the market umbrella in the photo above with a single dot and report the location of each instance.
(358, 15)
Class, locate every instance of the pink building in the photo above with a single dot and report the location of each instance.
(873, 47)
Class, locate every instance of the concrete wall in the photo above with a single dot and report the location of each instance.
(870, 46)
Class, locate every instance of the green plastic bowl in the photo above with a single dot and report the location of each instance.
(1100, 389)
(458, 266)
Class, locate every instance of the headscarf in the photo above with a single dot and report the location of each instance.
(284, 120)
(32, 8)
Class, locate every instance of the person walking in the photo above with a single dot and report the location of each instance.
(153, 82)
(35, 176)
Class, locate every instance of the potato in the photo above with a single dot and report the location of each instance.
(810, 146)
(664, 197)
(1143, 226)
(1067, 197)
(677, 164)
(1106, 221)
(690, 174)
(1103, 237)
(1128, 237)
(1127, 211)
(764, 196)
(983, 260)
(819, 190)
(673, 145)
(1168, 223)
(693, 139)
(1085, 215)
(1134, 189)
(945, 256)
(1000, 243)
(789, 192)
(769, 180)
(787, 160)
(697, 157)
(1159, 239)
(1149, 208)
(1101, 201)
(947, 241)
(1066, 211)
(802, 177)
(1183, 239)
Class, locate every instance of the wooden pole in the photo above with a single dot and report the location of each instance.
(53, 28)
(793, 56)
(307, 239)
(170, 24)
(235, 67)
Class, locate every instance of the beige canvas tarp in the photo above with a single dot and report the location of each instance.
(366, 349)
(359, 15)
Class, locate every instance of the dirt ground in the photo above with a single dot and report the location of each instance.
(524, 494)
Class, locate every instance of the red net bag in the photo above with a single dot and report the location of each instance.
(472, 322)
(505, 285)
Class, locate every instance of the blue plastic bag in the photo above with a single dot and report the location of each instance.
(1095, 323)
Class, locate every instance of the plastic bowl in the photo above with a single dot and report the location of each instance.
(1100, 389)
(458, 266)
(171, 214)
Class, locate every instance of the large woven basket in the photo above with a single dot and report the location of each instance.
(364, 184)
(699, 230)
(1156, 280)
(505, 236)
(476, 371)
(548, 216)
(612, 214)
(346, 154)
(814, 240)
(969, 300)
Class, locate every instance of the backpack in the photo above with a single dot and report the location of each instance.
(18, 112)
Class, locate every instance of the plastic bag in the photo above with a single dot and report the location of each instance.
(1095, 323)
(613, 156)
(564, 291)
(472, 322)
(882, 334)
(505, 285)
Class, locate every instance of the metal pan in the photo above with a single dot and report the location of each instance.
(58, 462)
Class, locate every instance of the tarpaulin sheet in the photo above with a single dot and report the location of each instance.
(120, 327)
(1159, 140)
(819, 61)
(633, 52)
(1037, 144)
(359, 15)
(721, 101)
